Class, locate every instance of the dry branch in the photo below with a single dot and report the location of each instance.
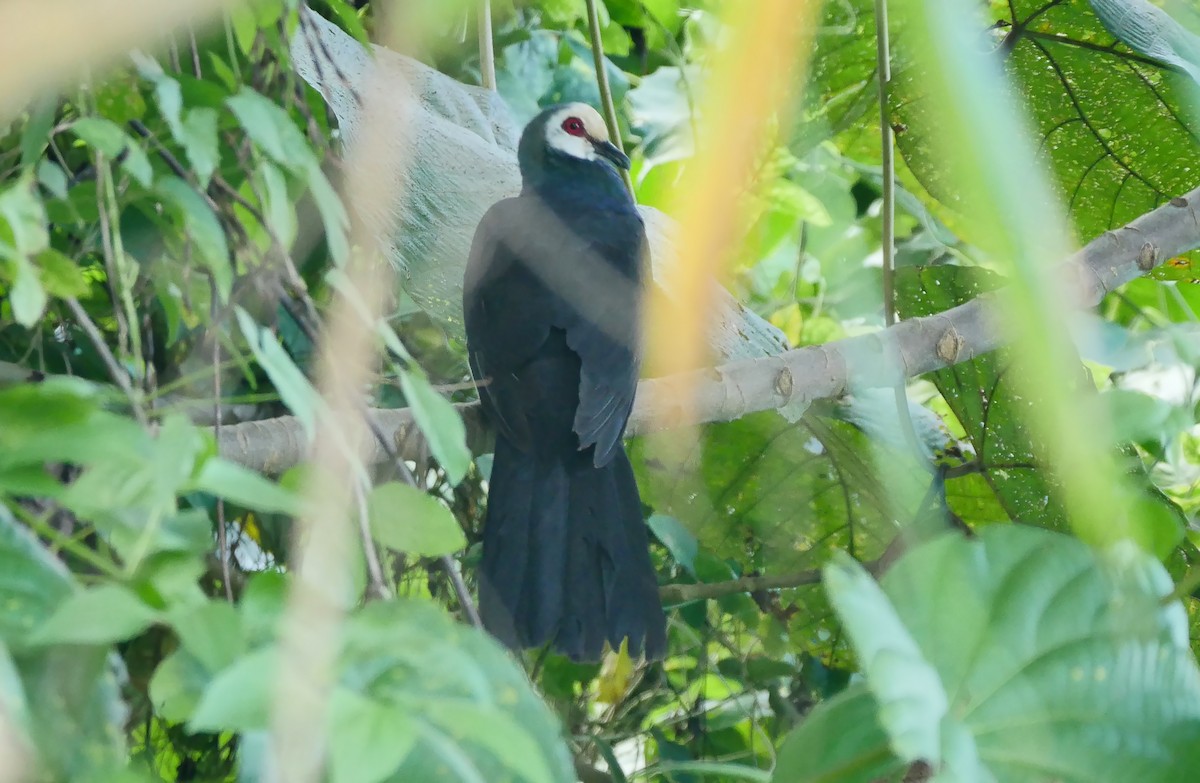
(733, 390)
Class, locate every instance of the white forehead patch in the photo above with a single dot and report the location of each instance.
(576, 146)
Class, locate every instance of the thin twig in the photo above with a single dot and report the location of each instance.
(196, 70)
(450, 566)
(606, 99)
(888, 158)
(377, 588)
(112, 272)
(678, 594)
(487, 53)
(119, 376)
(222, 533)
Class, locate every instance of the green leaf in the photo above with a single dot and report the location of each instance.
(677, 539)
(196, 130)
(239, 697)
(12, 694)
(202, 228)
(51, 176)
(27, 297)
(36, 133)
(278, 207)
(1114, 128)
(96, 615)
(1141, 417)
(411, 655)
(840, 740)
(25, 215)
(262, 605)
(199, 139)
(1048, 651)
(32, 582)
(177, 685)
(211, 631)
(76, 711)
(441, 424)
(245, 27)
(408, 520)
(272, 130)
(109, 138)
(333, 214)
(147, 476)
(505, 739)
(348, 16)
(294, 389)
(563, 13)
(1152, 31)
(61, 276)
(368, 741)
(190, 532)
(245, 487)
(913, 702)
(420, 697)
(754, 473)
(991, 404)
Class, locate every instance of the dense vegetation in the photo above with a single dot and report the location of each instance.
(986, 573)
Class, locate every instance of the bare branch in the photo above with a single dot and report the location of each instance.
(733, 390)
(118, 375)
(678, 594)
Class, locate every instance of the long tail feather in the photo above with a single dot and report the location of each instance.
(565, 557)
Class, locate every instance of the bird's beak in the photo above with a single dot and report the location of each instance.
(609, 151)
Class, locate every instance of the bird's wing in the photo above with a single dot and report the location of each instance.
(504, 325)
(604, 332)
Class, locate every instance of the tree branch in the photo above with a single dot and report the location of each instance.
(730, 391)
(678, 594)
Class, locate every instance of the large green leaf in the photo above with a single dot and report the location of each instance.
(1113, 124)
(74, 707)
(912, 700)
(1059, 663)
(840, 741)
(408, 520)
(32, 582)
(466, 691)
(988, 404)
(462, 708)
(274, 132)
(776, 495)
(96, 615)
(1011, 479)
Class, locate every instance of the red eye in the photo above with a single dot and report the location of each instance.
(574, 126)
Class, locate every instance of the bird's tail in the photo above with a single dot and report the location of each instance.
(566, 558)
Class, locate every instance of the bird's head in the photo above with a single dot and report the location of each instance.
(568, 133)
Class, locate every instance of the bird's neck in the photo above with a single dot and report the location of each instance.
(569, 181)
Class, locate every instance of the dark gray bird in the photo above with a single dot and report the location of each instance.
(552, 301)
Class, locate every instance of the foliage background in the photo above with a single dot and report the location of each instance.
(170, 237)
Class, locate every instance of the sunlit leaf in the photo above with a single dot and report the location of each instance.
(408, 520)
(245, 487)
(109, 138)
(907, 688)
(1039, 651)
(203, 229)
(440, 423)
(98, 615)
(295, 390)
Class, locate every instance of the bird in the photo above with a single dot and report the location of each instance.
(552, 303)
